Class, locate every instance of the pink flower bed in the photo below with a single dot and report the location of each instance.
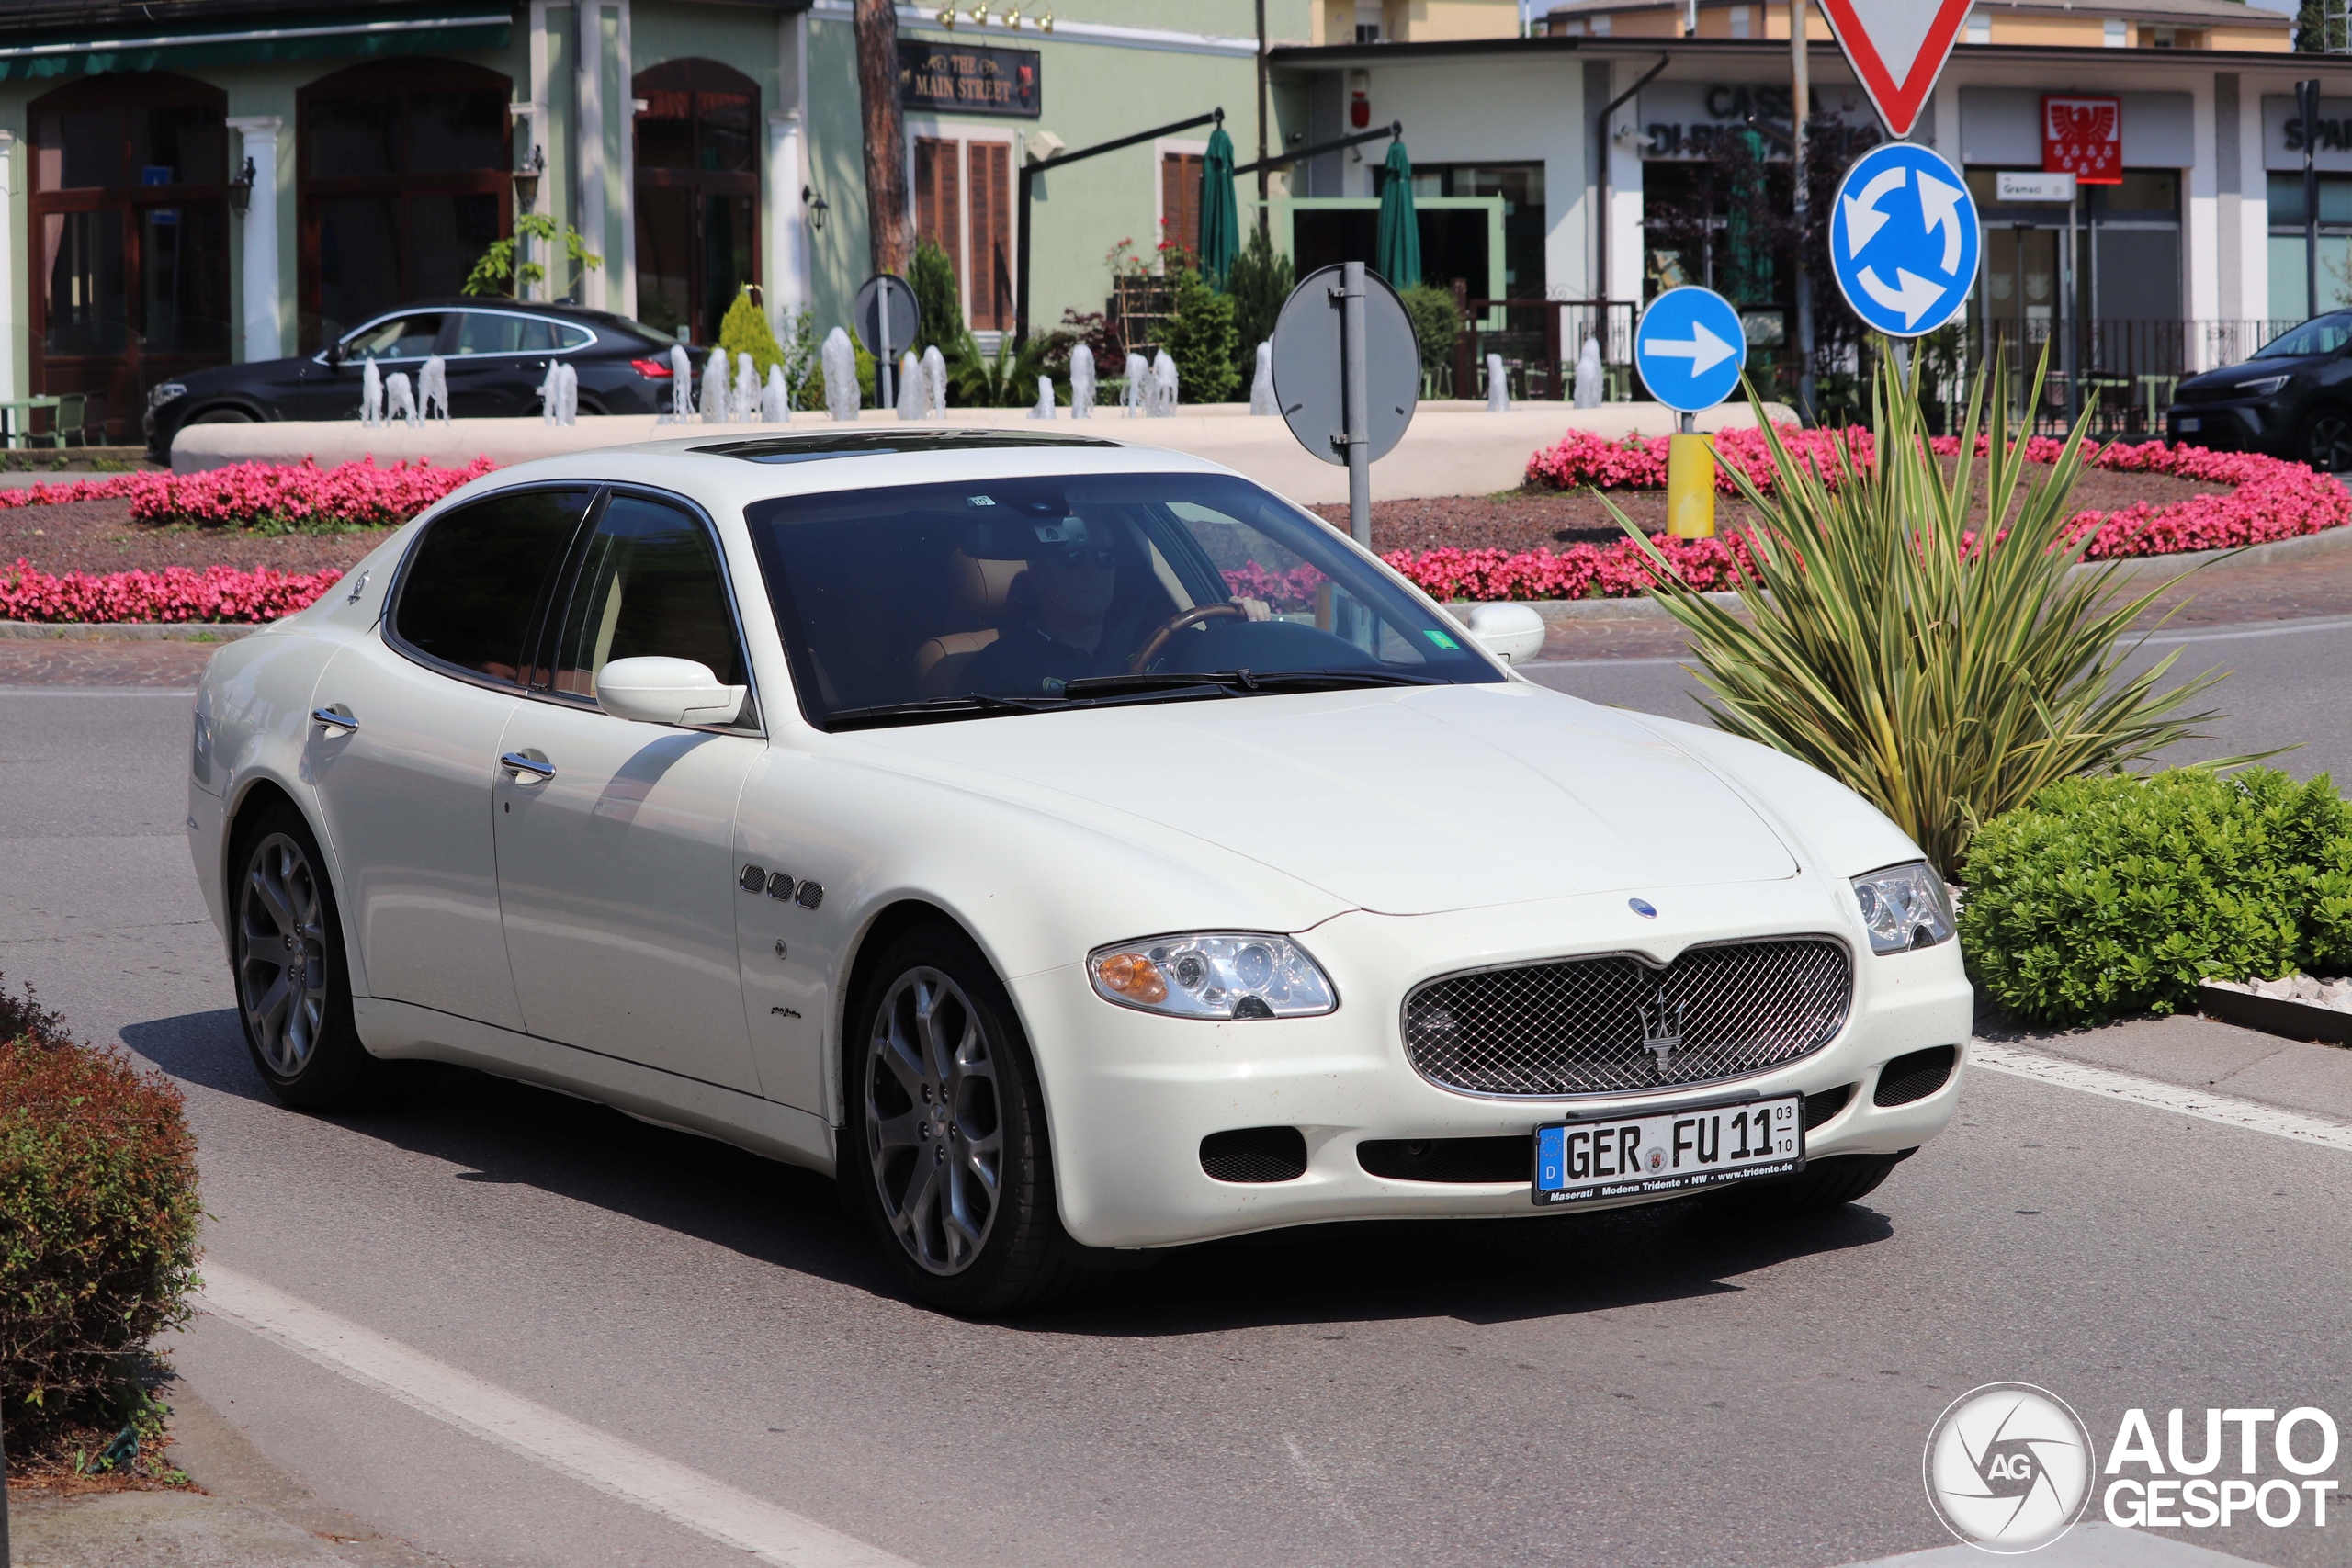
(2273, 500)
(176, 593)
(273, 497)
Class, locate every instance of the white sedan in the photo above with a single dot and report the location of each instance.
(1070, 846)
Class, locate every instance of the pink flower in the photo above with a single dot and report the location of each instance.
(174, 594)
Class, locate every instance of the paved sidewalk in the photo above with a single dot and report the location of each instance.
(2195, 1052)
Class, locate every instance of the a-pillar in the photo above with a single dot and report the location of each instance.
(265, 336)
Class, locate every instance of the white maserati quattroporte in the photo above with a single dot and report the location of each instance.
(1071, 847)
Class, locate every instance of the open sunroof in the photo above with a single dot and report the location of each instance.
(814, 448)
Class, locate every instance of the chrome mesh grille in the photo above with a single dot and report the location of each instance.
(1614, 1024)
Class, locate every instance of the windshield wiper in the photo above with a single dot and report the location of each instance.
(933, 707)
(1247, 681)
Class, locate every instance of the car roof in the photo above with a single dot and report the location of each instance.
(725, 473)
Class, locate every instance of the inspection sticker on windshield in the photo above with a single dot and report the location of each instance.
(1675, 1151)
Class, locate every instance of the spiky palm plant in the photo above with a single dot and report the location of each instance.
(1943, 673)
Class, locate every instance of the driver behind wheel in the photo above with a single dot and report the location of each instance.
(1064, 619)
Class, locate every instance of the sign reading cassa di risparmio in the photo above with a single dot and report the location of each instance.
(959, 79)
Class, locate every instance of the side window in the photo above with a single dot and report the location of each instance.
(478, 575)
(649, 585)
(483, 332)
(403, 337)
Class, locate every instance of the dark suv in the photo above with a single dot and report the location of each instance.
(497, 352)
(2293, 399)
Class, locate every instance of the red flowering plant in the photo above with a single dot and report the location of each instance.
(270, 498)
(174, 594)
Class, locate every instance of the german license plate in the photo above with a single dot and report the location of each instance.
(1673, 1151)
(2188, 424)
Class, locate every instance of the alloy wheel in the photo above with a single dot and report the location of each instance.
(934, 1132)
(2328, 445)
(281, 954)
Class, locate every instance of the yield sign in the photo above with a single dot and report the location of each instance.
(1898, 49)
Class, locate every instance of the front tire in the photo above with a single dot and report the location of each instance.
(2326, 440)
(946, 1151)
(293, 989)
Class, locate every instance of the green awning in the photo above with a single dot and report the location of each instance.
(331, 35)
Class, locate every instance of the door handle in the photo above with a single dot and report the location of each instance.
(335, 721)
(527, 768)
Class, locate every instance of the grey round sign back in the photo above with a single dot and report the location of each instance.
(1308, 388)
(866, 315)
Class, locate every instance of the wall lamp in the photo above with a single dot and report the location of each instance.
(818, 207)
(526, 181)
(240, 189)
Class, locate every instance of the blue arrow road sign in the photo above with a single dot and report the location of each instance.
(1903, 240)
(1690, 348)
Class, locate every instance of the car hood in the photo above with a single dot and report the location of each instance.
(2229, 376)
(1402, 801)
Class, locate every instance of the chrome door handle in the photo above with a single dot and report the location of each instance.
(335, 721)
(521, 766)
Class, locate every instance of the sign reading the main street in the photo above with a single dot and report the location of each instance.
(964, 79)
(1903, 240)
(1898, 49)
(1690, 348)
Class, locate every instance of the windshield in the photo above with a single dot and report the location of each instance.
(987, 597)
(2321, 334)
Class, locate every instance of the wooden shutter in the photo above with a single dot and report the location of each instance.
(939, 204)
(1180, 199)
(988, 174)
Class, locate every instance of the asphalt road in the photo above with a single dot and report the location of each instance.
(1655, 1387)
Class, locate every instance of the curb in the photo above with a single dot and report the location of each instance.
(127, 631)
(1643, 607)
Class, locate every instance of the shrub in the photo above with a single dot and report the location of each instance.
(1436, 323)
(940, 303)
(98, 1214)
(1261, 280)
(1200, 337)
(744, 330)
(1944, 677)
(2116, 895)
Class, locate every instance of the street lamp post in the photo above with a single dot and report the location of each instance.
(2307, 106)
(1799, 109)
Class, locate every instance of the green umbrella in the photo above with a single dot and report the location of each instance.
(1220, 222)
(1397, 254)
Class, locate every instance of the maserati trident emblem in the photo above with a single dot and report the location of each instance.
(1662, 1029)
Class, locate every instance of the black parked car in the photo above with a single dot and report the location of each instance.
(496, 351)
(2293, 399)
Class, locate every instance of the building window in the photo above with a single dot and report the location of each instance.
(2117, 34)
(2287, 289)
(405, 180)
(1980, 28)
(1739, 21)
(939, 199)
(964, 205)
(698, 194)
(129, 238)
(1179, 200)
(1368, 21)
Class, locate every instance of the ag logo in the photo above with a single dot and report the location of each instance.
(2008, 1467)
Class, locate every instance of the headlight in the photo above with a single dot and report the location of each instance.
(1903, 907)
(164, 394)
(2264, 387)
(1219, 974)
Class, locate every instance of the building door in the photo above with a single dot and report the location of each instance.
(964, 205)
(406, 179)
(938, 201)
(129, 246)
(698, 194)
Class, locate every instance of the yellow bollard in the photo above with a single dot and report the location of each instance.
(1690, 487)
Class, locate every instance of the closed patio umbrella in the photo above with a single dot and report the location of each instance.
(1396, 252)
(1220, 221)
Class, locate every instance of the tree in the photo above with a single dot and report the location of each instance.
(886, 165)
(932, 275)
(496, 272)
(1200, 338)
(744, 330)
(1261, 281)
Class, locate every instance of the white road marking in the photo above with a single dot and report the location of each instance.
(2155, 1094)
(2239, 634)
(595, 1458)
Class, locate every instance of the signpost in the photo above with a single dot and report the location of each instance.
(887, 320)
(1347, 375)
(1690, 348)
(1897, 48)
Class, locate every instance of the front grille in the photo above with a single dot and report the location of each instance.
(1255, 1155)
(1456, 1160)
(1615, 1024)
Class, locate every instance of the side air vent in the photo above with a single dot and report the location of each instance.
(1916, 1076)
(1820, 1108)
(1458, 1160)
(1255, 1155)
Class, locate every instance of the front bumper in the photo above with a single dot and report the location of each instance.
(2249, 425)
(1130, 1095)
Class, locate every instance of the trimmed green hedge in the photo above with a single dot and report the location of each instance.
(98, 1214)
(2116, 895)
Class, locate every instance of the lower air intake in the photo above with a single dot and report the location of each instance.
(1455, 1160)
(1255, 1155)
(1916, 1076)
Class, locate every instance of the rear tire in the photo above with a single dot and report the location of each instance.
(219, 416)
(293, 988)
(946, 1151)
(1829, 1183)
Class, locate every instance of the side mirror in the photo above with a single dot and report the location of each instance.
(666, 691)
(334, 353)
(1513, 633)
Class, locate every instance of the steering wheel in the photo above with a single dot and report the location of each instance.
(1224, 610)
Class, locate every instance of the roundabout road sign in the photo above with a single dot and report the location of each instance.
(1903, 240)
(1690, 348)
